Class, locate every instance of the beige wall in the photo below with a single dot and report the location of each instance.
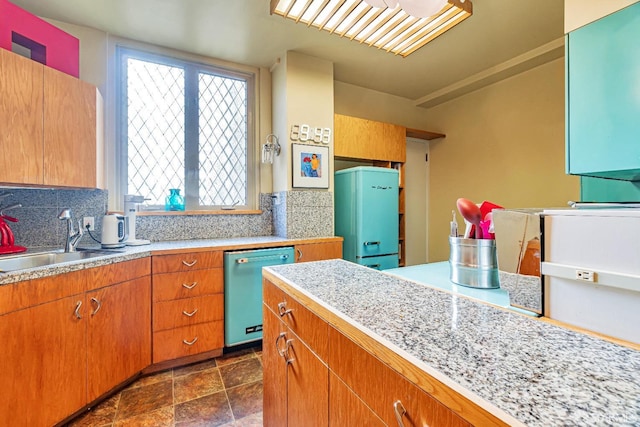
(302, 94)
(581, 12)
(505, 144)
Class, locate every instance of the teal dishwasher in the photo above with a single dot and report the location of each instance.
(243, 291)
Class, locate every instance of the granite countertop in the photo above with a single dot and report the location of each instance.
(523, 370)
(133, 252)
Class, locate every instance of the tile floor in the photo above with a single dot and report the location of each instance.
(225, 391)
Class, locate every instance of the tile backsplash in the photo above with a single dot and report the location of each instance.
(38, 224)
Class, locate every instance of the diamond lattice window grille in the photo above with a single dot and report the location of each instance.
(202, 147)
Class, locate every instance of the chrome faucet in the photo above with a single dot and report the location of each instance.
(73, 237)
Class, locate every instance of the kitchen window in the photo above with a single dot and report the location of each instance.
(185, 125)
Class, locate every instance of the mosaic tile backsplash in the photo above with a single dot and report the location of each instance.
(38, 224)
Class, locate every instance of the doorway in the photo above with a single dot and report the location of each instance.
(417, 201)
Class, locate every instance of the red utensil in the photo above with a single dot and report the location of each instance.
(471, 212)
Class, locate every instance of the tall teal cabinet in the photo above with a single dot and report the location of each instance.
(603, 101)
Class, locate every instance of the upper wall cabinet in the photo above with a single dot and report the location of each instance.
(50, 126)
(21, 119)
(603, 97)
(357, 138)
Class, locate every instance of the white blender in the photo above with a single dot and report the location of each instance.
(131, 204)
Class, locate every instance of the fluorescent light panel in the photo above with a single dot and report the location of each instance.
(392, 30)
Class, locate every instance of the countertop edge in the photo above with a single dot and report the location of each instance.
(437, 385)
(159, 248)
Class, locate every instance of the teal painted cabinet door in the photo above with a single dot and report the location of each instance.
(603, 97)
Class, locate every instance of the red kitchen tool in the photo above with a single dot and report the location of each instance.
(7, 240)
(471, 212)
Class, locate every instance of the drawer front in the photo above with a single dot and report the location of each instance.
(187, 341)
(186, 261)
(363, 373)
(346, 408)
(187, 284)
(188, 311)
(309, 327)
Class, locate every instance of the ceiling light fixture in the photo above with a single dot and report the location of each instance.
(397, 26)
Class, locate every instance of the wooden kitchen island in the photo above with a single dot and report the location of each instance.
(347, 345)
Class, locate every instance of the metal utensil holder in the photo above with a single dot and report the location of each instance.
(473, 262)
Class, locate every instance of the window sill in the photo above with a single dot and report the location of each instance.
(203, 212)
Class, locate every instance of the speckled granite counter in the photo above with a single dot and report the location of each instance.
(133, 252)
(523, 370)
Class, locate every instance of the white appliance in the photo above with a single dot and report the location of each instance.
(591, 268)
(114, 231)
(131, 205)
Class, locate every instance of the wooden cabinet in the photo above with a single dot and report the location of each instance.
(603, 62)
(119, 334)
(318, 251)
(296, 381)
(357, 138)
(362, 372)
(70, 131)
(44, 363)
(21, 118)
(335, 380)
(188, 304)
(50, 132)
(68, 343)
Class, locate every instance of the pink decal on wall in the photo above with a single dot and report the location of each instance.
(47, 44)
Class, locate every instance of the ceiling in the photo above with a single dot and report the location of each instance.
(243, 31)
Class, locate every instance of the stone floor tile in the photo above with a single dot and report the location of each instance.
(140, 400)
(195, 367)
(197, 384)
(211, 410)
(162, 417)
(246, 371)
(245, 400)
(103, 414)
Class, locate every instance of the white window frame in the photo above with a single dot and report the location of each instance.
(206, 64)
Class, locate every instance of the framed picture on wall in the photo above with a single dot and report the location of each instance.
(310, 166)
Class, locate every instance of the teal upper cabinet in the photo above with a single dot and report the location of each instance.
(603, 97)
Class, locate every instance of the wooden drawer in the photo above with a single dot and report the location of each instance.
(118, 272)
(19, 295)
(187, 341)
(187, 284)
(188, 311)
(364, 373)
(346, 408)
(309, 327)
(186, 262)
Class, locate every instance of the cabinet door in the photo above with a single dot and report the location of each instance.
(21, 118)
(119, 334)
(307, 385)
(318, 251)
(364, 139)
(70, 147)
(43, 363)
(274, 381)
(603, 106)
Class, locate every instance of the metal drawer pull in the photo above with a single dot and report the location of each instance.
(98, 305)
(371, 243)
(299, 254)
(77, 311)
(282, 309)
(190, 264)
(190, 342)
(190, 314)
(193, 285)
(399, 411)
(281, 353)
(289, 345)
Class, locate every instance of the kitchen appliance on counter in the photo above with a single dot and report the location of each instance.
(243, 291)
(114, 231)
(366, 215)
(131, 205)
(518, 236)
(591, 270)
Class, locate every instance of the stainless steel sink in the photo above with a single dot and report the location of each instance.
(23, 262)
